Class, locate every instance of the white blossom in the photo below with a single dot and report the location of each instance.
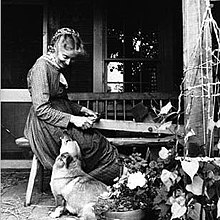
(163, 153)
(136, 179)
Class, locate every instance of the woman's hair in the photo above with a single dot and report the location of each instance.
(68, 37)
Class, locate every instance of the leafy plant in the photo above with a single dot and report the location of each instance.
(171, 187)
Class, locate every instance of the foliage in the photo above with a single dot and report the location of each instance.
(171, 187)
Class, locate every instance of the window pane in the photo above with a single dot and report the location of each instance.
(140, 77)
(140, 45)
(132, 76)
(115, 77)
(115, 37)
(145, 45)
(131, 33)
(115, 48)
(21, 42)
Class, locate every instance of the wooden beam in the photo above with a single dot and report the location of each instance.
(23, 95)
(131, 126)
(16, 164)
(195, 53)
(139, 141)
(123, 96)
(15, 95)
(45, 28)
(98, 46)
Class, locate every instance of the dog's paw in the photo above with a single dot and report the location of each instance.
(57, 212)
(87, 212)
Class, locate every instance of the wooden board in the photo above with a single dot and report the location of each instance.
(16, 164)
(131, 126)
(139, 141)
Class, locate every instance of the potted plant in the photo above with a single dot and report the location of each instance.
(132, 196)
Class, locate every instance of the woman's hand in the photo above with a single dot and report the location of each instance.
(89, 113)
(81, 122)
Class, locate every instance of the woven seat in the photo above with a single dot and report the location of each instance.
(22, 142)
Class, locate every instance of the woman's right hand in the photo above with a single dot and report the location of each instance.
(81, 122)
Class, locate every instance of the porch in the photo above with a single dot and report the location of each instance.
(119, 111)
(115, 107)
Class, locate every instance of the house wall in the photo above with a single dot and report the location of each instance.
(86, 75)
(77, 14)
(13, 116)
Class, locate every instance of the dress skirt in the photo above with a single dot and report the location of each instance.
(100, 157)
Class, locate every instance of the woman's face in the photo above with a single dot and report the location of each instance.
(64, 53)
(64, 58)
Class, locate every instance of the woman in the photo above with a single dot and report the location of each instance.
(52, 112)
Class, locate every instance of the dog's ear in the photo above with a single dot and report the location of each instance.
(69, 159)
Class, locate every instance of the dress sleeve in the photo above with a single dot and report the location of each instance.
(40, 95)
(75, 107)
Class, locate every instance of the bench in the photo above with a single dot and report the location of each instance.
(117, 116)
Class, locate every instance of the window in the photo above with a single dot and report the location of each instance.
(132, 55)
(141, 48)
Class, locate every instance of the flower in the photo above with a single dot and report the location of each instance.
(135, 189)
(163, 153)
(135, 180)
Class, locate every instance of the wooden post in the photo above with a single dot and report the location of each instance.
(98, 47)
(196, 50)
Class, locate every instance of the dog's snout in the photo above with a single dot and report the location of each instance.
(66, 137)
(68, 140)
(69, 159)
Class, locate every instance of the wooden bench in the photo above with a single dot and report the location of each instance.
(116, 108)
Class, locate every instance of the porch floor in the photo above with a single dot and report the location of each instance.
(13, 189)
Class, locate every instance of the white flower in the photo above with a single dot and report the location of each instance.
(168, 178)
(136, 179)
(163, 153)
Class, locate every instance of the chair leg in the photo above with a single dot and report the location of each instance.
(31, 180)
(41, 177)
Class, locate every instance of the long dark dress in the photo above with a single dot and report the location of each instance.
(50, 114)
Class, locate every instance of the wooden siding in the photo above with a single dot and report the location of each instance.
(77, 14)
(13, 118)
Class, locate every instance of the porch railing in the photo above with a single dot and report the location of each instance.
(117, 106)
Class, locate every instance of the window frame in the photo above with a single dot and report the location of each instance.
(167, 65)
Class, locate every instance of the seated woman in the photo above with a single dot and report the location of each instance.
(52, 112)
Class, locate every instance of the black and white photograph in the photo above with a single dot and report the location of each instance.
(110, 110)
